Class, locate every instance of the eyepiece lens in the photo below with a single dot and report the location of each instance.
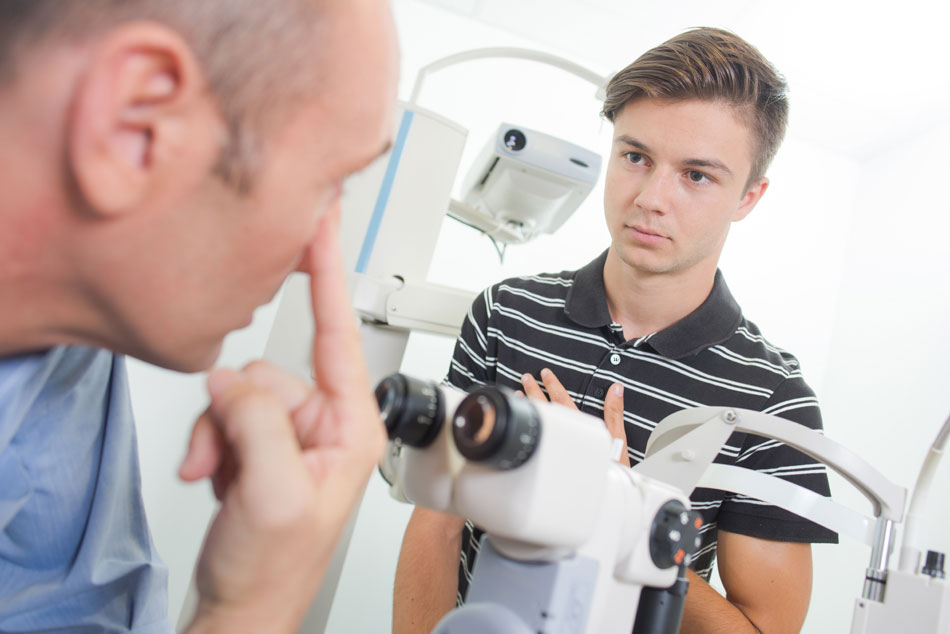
(475, 421)
(412, 410)
(496, 428)
(386, 398)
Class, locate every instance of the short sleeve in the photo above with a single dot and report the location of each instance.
(793, 400)
(470, 366)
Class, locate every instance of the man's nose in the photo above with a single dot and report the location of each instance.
(656, 192)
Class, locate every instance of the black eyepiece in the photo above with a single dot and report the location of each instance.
(412, 410)
(495, 427)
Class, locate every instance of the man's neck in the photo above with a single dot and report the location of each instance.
(644, 303)
(39, 313)
(42, 302)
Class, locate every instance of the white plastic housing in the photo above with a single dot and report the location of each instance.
(525, 183)
(568, 470)
(912, 603)
(426, 475)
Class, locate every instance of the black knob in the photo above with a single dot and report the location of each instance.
(933, 566)
(674, 536)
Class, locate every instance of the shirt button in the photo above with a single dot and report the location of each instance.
(615, 359)
(599, 392)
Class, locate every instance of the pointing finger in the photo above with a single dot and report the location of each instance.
(337, 358)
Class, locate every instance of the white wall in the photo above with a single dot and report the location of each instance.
(887, 388)
(842, 263)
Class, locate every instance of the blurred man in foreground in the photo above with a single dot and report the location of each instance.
(166, 164)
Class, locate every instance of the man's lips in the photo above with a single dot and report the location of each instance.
(646, 235)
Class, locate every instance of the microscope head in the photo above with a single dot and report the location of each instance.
(422, 461)
(526, 461)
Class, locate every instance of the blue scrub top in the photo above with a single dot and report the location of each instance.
(75, 550)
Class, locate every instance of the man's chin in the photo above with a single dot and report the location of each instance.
(195, 359)
(207, 361)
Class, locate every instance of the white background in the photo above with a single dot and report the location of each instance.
(844, 261)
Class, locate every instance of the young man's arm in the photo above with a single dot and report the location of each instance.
(767, 583)
(427, 573)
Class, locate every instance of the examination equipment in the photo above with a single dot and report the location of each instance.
(582, 541)
(590, 547)
(525, 183)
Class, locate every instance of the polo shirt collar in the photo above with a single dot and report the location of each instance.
(586, 301)
(714, 321)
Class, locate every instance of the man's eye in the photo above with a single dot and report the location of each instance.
(634, 157)
(697, 176)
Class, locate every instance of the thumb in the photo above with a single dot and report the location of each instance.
(613, 410)
(257, 428)
(613, 419)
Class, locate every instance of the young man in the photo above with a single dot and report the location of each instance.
(650, 328)
(165, 165)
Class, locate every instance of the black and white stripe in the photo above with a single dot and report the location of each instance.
(560, 321)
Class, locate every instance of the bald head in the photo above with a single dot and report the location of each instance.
(119, 120)
(257, 56)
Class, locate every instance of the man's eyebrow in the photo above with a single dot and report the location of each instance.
(710, 164)
(629, 140)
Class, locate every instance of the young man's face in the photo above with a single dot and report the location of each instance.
(676, 180)
(220, 254)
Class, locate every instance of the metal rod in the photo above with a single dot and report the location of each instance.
(875, 577)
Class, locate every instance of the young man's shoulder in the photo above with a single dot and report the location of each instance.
(548, 285)
(749, 339)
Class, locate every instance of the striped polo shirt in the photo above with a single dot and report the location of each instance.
(713, 356)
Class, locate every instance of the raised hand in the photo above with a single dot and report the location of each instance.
(288, 461)
(613, 404)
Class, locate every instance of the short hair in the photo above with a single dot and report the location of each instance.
(256, 55)
(713, 65)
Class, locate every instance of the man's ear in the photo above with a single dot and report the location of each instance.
(143, 124)
(751, 198)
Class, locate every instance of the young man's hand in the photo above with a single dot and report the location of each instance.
(613, 404)
(288, 461)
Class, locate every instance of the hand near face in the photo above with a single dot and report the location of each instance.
(288, 461)
(613, 404)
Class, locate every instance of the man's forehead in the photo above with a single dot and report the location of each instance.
(688, 131)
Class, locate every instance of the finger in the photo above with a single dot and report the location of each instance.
(613, 410)
(289, 388)
(204, 451)
(555, 390)
(342, 411)
(613, 418)
(531, 388)
(259, 435)
(207, 454)
(337, 357)
(220, 379)
(224, 475)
